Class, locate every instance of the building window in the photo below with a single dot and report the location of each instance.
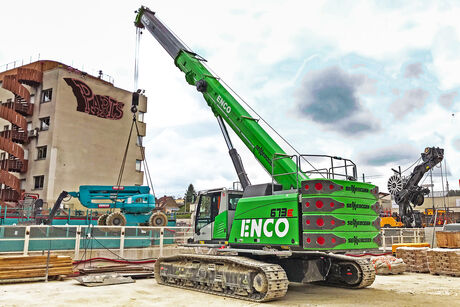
(139, 165)
(38, 182)
(140, 116)
(6, 127)
(44, 123)
(46, 95)
(41, 152)
(139, 140)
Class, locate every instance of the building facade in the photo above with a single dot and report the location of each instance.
(61, 128)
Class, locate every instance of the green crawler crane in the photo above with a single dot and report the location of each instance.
(293, 229)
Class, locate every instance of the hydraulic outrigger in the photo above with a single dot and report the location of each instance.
(294, 229)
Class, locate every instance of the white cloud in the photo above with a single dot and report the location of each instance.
(245, 42)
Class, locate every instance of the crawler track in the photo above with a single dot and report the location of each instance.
(230, 276)
(366, 272)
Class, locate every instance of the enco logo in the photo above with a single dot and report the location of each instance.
(255, 227)
(223, 104)
(145, 20)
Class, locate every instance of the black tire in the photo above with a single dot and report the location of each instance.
(102, 220)
(116, 219)
(158, 219)
(387, 226)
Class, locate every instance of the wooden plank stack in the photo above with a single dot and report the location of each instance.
(414, 257)
(448, 239)
(442, 261)
(34, 266)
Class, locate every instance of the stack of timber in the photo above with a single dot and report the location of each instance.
(442, 261)
(448, 239)
(414, 257)
(33, 267)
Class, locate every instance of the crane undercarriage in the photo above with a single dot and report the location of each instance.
(261, 278)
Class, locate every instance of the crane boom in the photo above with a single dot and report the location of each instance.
(223, 104)
(411, 191)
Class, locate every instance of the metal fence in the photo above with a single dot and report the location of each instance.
(392, 236)
(83, 237)
(42, 237)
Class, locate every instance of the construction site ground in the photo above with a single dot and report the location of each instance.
(409, 289)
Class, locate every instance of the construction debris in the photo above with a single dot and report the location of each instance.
(133, 271)
(19, 269)
(385, 265)
(103, 280)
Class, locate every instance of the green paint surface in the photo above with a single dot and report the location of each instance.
(220, 226)
(266, 220)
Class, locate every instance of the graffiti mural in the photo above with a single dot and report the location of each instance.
(97, 105)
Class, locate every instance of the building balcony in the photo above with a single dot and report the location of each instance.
(14, 165)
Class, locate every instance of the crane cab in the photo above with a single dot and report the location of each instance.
(214, 214)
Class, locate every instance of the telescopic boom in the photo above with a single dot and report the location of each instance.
(223, 104)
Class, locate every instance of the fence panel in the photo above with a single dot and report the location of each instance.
(84, 237)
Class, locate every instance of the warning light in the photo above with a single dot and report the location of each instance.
(319, 204)
(332, 222)
(307, 187)
(333, 240)
(308, 222)
(307, 204)
(320, 240)
(331, 186)
(308, 240)
(320, 222)
(332, 204)
(318, 186)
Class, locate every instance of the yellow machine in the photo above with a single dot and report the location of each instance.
(389, 221)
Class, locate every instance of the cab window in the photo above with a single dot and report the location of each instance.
(207, 209)
(233, 200)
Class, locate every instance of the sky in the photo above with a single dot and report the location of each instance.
(372, 81)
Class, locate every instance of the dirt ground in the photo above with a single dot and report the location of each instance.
(410, 289)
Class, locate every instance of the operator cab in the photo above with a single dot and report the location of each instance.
(214, 214)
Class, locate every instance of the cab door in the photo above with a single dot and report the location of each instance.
(206, 212)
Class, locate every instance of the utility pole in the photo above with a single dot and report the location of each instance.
(432, 198)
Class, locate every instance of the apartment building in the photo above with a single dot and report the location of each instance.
(61, 128)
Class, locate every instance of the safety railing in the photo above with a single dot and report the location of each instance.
(392, 236)
(84, 237)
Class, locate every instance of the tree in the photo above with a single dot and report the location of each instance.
(190, 196)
